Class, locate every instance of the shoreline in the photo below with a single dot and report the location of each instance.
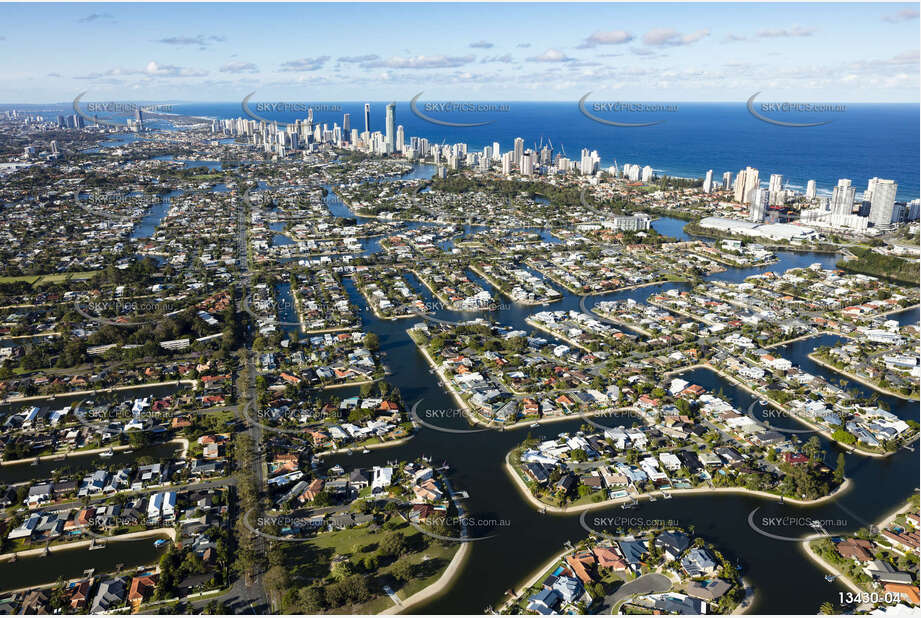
(121, 447)
(97, 391)
(437, 587)
(804, 545)
(885, 521)
(496, 286)
(859, 379)
(673, 492)
(472, 416)
(352, 449)
(796, 417)
(40, 551)
(533, 579)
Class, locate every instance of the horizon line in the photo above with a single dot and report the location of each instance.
(443, 99)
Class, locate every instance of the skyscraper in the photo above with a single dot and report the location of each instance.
(746, 183)
(775, 189)
(882, 207)
(727, 180)
(519, 149)
(496, 154)
(760, 200)
(401, 138)
(390, 130)
(347, 125)
(810, 190)
(367, 117)
(708, 181)
(842, 198)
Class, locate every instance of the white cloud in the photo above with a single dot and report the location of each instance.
(613, 37)
(304, 64)
(551, 55)
(239, 67)
(421, 62)
(200, 40)
(795, 31)
(661, 37)
(903, 15)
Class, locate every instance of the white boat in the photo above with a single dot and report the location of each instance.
(107, 453)
(535, 425)
(762, 402)
(365, 451)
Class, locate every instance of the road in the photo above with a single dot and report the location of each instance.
(645, 584)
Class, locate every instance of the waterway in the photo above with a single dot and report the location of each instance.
(785, 581)
(76, 466)
(71, 563)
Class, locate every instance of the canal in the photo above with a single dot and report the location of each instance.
(784, 579)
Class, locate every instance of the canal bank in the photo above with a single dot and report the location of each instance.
(476, 460)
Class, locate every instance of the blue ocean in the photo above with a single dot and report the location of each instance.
(860, 142)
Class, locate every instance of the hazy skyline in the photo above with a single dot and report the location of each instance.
(318, 52)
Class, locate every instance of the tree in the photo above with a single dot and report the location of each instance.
(403, 570)
(827, 608)
(839, 469)
(393, 544)
(372, 342)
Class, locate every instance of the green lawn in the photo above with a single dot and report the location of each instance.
(356, 542)
(37, 280)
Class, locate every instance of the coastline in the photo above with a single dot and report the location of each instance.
(437, 587)
(140, 534)
(533, 579)
(885, 521)
(473, 417)
(111, 389)
(796, 417)
(829, 568)
(859, 379)
(121, 447)
(679, 492)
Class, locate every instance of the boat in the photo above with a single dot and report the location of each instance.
(535, 425)
(830, 578)
(762, 402)
(107, 453)
(160, 542)
(365, 451)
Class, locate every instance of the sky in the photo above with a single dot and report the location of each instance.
(828, 52)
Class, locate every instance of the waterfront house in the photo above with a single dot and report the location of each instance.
(79, 594)
(544, 602)
(109, 595)
(855, 549)
(633, 552)
(141, 588)
(672, 544)
(708, 590)
(698, 562)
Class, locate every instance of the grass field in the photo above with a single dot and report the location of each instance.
(39, 280)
